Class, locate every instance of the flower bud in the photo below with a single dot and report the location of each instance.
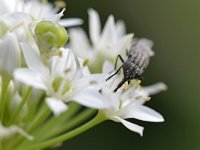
(50, 35)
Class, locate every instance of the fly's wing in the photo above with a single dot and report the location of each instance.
(144, 45)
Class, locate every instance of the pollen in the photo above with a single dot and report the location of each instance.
(139, 81)
(138, 97)
(93, 82)
(85, 62)
(60, 4)
(147, 98)
(67, 70)
(125, 86)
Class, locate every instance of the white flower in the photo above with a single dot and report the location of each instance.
(17, 22)
(9, 54)
(36, 9)
(6, 132)
(106, 44)
(18, 18)
(129, 103)
(63, 80)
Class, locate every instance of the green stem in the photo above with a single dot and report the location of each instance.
(60, 129)
(1, 145)
(23, 101)
(43, 114)
(34, 105)
(5, 83)
(40, 117)
(68, 125)
(57, 121)
(97, 120)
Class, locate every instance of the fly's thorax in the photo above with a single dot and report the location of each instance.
(131, 70)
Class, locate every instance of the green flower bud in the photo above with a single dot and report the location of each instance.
(50, 35)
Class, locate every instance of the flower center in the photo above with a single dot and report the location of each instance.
(61, 85)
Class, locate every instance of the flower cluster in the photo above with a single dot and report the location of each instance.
(46, 81)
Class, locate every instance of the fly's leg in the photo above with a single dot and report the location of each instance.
(119, 85)
(120, 57)
(114, 73)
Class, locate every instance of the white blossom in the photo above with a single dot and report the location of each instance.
(36, 9)
(105, 44)
(129, 102)
(63, 80)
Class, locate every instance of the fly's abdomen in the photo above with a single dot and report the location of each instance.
(140, 59)
(140, 53)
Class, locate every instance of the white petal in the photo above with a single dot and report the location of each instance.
(55, 17)
(111, 97)
(71, 22)
(94, 26)
(56, 105)
(31, 78)
(9, 6)
(142, 113)
(155, 88)
(41, 9)
(122, 45)
(61, 64)
(130, 126)
(109, 34)
(107, 67)
(120, 27)
(91, 98)
(9, 53)
(33, 59)
(79, 42)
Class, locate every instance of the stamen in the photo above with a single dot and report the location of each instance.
(85, 62)
(60, 4)
(93, 82)
(53, 53)
(139, 81)
(62, 12)
(67, 70)
(125, 86)
(138, 97)
(147, 98)
(44, 1)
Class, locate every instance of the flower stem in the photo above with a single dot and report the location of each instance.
(71, 124)
(43, 114)
(57, 121)
(40, 117)
(84, 115)
(5, 83)
(23, 101)
(97, 120)
(1, 145)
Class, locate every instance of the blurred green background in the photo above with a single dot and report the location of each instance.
(174, 26)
